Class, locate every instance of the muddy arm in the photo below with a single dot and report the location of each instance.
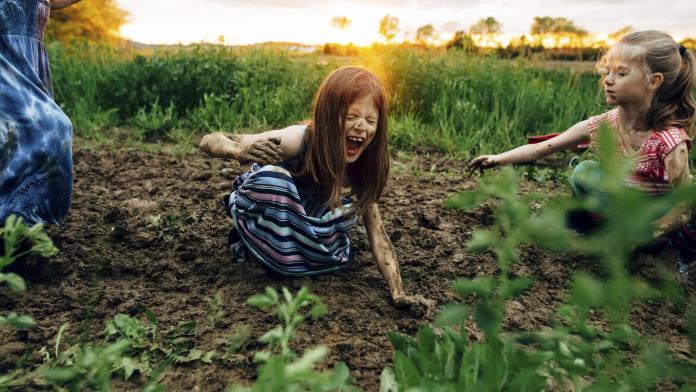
(677, 166)
(266, 147)
(383, 252)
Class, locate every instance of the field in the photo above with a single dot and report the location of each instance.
(146, 235)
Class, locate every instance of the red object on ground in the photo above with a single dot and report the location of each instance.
(540, 138)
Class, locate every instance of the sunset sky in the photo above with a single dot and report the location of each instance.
(305, 21)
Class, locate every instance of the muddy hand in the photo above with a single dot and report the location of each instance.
(264, 153)
(418, 304)
(482, 163)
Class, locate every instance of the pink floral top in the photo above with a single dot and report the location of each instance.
(649, 170)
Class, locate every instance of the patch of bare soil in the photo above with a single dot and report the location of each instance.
(147, 231)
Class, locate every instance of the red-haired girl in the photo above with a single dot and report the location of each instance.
(294, 217)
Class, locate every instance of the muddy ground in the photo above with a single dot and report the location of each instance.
(147, 231)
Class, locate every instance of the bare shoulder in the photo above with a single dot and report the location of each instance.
(677, 163)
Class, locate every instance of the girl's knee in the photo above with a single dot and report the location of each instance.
(586, 178)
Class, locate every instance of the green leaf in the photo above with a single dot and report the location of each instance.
(261, 301)
(466, 200)
(318, 310)
(400, 341)
(426, 340)
(59, 374)
(452, 315)
(307, 361)
(517, 287)
(587, 291)
(482, 240)
(341, 377)
(129, 366)
(19, 321)
(240, 337)
(387, 381)
(275, 334)
(262, 356)
(208, 356)
(487, 316)
(549, 230)
(14, 281)
(407, 374)
(481, 286)
(116, 349)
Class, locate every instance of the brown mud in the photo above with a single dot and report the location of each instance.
(147, 232)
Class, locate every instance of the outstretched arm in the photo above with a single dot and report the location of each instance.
(266, 147)
(578, 133)
(58, 4)
(383, 252)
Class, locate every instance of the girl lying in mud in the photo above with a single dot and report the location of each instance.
(293, 217)
(650, 79)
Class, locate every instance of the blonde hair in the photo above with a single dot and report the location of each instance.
(673, 104)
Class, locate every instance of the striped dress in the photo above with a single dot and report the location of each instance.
(278, 223)
(649, 172)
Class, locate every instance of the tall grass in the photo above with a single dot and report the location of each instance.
(450, 101)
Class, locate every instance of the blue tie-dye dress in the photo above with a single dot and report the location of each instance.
(35, 135)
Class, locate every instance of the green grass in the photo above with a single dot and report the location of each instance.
(451, 101)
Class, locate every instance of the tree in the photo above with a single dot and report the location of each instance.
(340, 22)
(388, 27)
(487, 25)
(615, 36)
(96, 21)
(461, 41)
(487, 28)
(557, 29)
(689, 43)
(425, 34)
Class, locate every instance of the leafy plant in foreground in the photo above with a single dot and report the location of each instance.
(13, 236)
(149, 347)
(444, 358)
(573, 355)
(130, 348)
(281, 368)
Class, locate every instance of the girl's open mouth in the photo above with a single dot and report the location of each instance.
(353, 144)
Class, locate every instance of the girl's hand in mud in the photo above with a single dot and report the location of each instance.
(236, 147)
(483, 162)
(265, 152)
(418, 304)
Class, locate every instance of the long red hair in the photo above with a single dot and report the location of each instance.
(324, 164)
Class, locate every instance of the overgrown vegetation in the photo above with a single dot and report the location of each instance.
(452, 101)
(575, 354)
(19, 240)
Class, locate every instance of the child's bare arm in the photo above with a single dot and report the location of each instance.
(266, 147)
(677, 166)
(383, 252)
(58, 4)
(578, 133)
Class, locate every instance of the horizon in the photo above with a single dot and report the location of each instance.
(159, 22)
